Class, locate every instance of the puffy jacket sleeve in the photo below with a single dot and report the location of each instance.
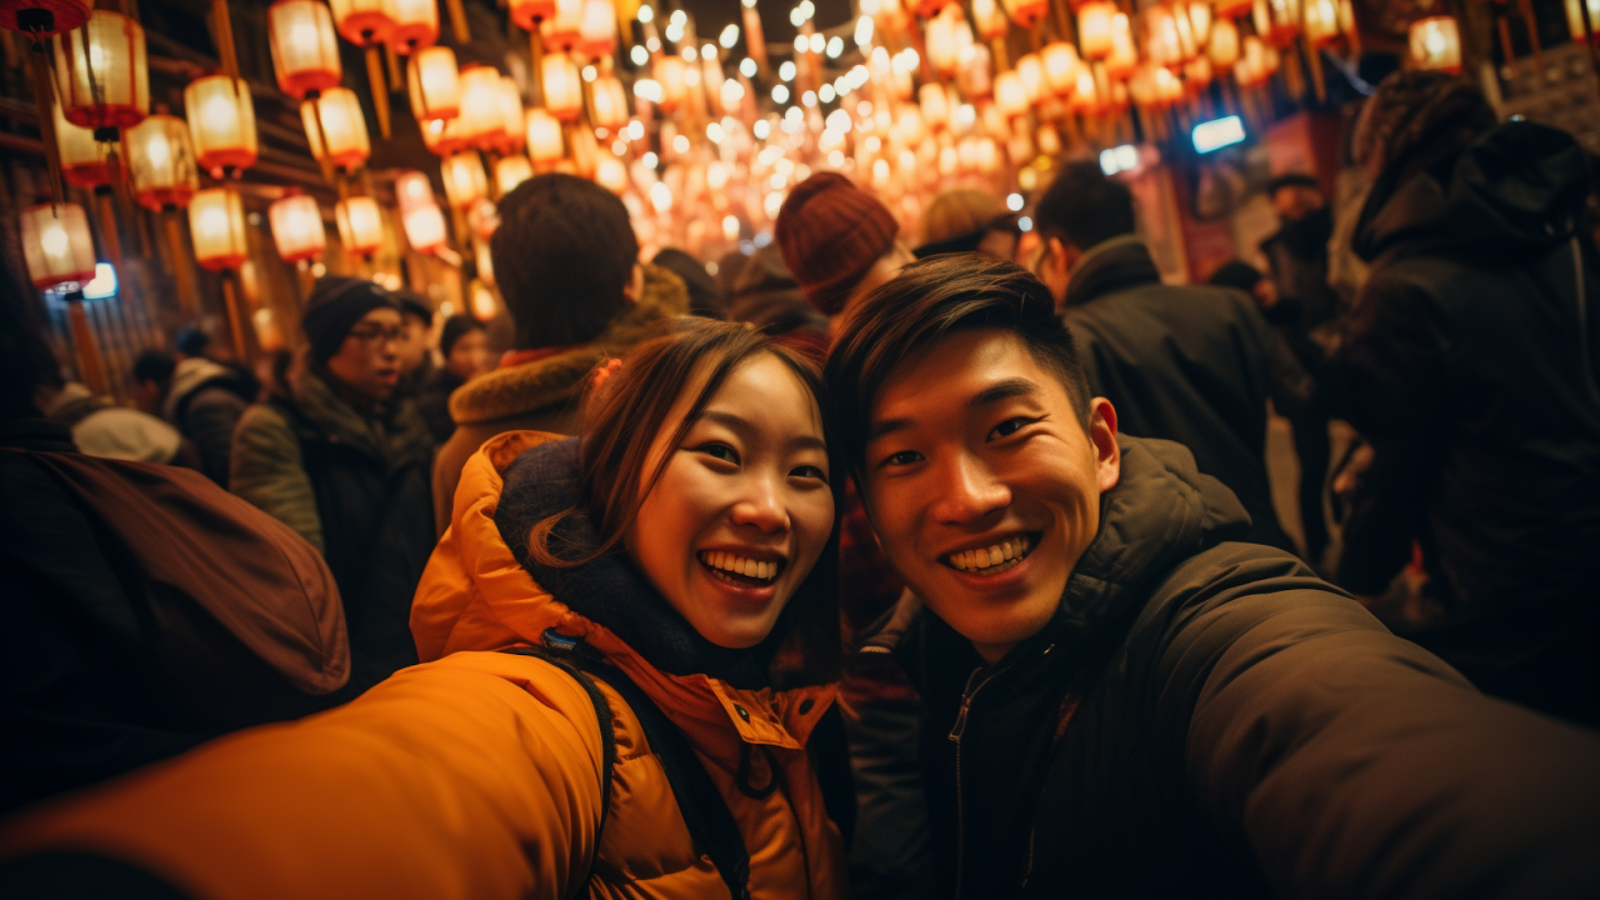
(267, 470)
(476, 776)
(1352, 763)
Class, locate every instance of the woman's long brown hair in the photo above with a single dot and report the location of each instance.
(619, 422)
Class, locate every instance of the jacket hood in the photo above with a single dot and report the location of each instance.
(1521, 187)
(476, 595)
(522, 389)
(189, 376)
(1162, 511)
(1111, 265)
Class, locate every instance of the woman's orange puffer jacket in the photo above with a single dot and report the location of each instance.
(476, 774)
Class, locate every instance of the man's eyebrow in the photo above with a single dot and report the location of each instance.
(745, 429)
(885, 427)
(1003, 390)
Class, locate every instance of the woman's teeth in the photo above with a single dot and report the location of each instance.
(998, 557)
(741, 565)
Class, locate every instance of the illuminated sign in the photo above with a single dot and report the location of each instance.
(104, 284)
(1218, 133)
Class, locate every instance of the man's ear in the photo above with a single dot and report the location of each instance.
(634, 289)
(1056, 267)
(1103, 435)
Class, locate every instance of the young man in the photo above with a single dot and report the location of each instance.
(344, 463)
(1122, 699)
(1188, 363)
(566, 261)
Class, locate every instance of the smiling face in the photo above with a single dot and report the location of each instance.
(982, 484)
(742, 509)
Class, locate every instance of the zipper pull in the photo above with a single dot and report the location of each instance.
(961, 720)
(966, 705)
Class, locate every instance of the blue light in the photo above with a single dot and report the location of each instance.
(1218, 133)
(104, 284)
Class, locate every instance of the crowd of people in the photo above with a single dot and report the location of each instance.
(870, 566)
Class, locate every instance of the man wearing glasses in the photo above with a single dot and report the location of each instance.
(338, 459)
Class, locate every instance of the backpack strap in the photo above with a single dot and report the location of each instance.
(705, 812)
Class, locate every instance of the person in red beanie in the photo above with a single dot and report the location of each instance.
(838, 241)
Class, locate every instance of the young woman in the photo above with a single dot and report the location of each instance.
(627, 639)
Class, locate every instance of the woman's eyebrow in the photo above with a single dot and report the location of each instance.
(746, 430)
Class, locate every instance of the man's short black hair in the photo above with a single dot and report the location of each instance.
(192, 340)
(154, 365)
(563, 254)
(1084, 207)
(927, 301)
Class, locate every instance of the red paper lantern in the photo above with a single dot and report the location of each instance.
(57, 245)
(40, 19)
(161, 164)
(101, 73)
(222, 122)
(364, 22)
(305, 52)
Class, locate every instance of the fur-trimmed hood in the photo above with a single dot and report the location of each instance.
(531, 386)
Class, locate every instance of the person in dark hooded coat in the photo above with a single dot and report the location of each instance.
(1469, 364)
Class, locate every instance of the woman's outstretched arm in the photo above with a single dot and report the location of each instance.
(476, 776)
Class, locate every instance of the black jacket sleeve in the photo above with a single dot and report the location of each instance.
(1353, 763)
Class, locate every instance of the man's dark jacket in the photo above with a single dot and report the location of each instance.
(356, 485)
(1193, 364)
(1470, 364)
(1205, 718)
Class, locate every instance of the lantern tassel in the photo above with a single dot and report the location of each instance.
(180, 272)
(89, 364)
(458, 22)
(380, 92)
(230, 298)
(393, 60)
(1533, 34)
(45, 105)
(223, 24)
(1314, 58)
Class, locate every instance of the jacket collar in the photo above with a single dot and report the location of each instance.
(1111, 265)
(393, 435)
(476, 595)
(521, 389)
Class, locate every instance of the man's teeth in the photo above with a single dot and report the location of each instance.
(993, 555)
(740, 565)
